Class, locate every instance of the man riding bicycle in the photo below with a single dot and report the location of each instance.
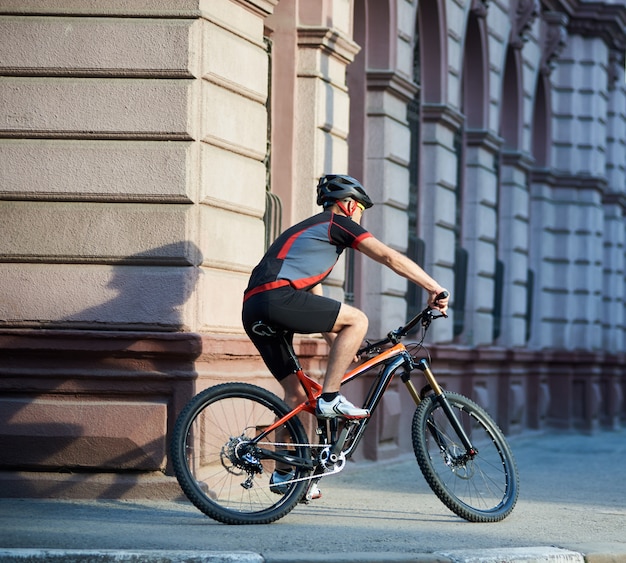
(285, 292)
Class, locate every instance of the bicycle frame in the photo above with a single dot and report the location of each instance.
(313, 389)
(394, 358)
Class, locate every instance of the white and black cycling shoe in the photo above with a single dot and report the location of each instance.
(339, 406)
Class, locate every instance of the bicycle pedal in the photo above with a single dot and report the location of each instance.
(312, 493)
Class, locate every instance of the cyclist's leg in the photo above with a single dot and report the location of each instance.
(290, 384)
(274, 351)
(294, 393)
(277, 359)
(350, 329)
(304, 312)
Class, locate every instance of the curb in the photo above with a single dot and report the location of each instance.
(125, 556)
(515, 554)
(509, 555)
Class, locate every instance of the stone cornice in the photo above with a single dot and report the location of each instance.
(518, 159)
(615, 198)
(329, 40)
(593, 19)
(100, 9)
(260, 7)
(119, 344)
(558, 180)
(444, 114)
(483, 138)
(391, 80)
(598, 19)
(505, 356)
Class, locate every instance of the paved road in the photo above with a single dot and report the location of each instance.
(572, 495)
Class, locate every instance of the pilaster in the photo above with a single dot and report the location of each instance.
(479, 234)
(387, 159)
(322, 112)
(513, 247)
(437, 220)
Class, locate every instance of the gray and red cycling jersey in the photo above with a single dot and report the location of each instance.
(306, 253)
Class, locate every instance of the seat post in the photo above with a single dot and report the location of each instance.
(292, 353)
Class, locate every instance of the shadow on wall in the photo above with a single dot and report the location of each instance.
(98, 396)
(151, 290)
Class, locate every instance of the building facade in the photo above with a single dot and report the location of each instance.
(150, 150)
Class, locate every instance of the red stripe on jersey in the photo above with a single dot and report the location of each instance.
(358, 240)
(287, 246)
(310, 282)
(266, 287)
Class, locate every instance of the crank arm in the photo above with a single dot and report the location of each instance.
(315, 477)
(286, 458)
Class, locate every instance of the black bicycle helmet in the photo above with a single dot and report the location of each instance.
(332, 187)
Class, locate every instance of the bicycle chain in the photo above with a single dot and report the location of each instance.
(291, 444)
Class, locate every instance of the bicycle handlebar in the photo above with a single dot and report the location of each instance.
(403, 331)
(426, 317)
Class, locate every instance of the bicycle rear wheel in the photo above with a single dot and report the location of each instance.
(479, 488)
(216, 468)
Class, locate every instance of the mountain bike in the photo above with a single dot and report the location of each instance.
(229, 438)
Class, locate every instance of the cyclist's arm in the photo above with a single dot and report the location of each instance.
(405, 267)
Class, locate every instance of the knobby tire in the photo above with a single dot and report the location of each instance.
(209, 435)
(482, 489)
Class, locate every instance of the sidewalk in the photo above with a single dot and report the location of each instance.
(572, 508)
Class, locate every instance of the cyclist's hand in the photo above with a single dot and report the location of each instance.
(439, 299)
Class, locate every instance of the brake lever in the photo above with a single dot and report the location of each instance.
(430, 316)
(369, 353)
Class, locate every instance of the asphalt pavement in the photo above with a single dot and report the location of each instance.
(572, 508)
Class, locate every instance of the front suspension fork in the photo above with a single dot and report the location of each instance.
(440, 397)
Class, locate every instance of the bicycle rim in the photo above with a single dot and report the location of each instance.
(207, 445)
(480, 489)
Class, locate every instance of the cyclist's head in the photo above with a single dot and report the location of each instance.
(333, 188)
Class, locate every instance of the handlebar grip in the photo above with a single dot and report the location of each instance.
(442, 295)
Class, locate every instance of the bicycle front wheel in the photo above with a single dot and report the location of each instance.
(482, 487)
(220, 472)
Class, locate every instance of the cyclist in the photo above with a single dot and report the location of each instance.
(284, 292)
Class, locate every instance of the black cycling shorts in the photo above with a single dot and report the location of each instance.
(291, 310)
